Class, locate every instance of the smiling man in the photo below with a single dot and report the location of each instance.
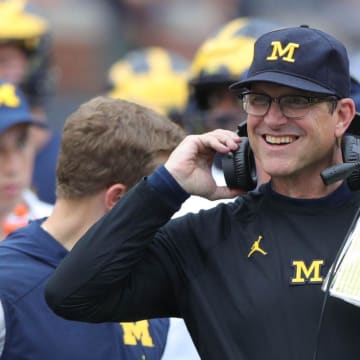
(238, 302)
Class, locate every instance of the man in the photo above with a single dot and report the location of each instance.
(17, 203)
(107, 146)
(245, 276)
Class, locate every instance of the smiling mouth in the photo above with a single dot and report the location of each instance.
(279, 140)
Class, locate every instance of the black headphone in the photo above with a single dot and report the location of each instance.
(239, 167)
(240, 170)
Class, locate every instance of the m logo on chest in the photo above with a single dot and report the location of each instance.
(307, 274)
(137, 333)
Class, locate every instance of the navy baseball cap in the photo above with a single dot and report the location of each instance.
(302, 58)
(14, 108)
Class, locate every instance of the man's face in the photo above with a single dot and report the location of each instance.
(292, 146)
(13, 63)
(16, 165)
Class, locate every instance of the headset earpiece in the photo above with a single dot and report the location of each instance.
(239, 167)
(351, 154)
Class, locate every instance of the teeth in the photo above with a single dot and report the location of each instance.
(279, 139)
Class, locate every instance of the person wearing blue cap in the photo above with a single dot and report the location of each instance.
(246, 276)
(26, 59)
(18, 203)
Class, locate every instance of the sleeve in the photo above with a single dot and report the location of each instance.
(113, 267)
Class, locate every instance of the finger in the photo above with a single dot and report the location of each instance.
(221, 140)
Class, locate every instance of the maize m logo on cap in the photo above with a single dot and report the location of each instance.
(8, 96)
(286, 53)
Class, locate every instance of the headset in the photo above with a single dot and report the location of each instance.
(240, 170)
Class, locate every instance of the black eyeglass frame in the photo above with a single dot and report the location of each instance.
(312, 100)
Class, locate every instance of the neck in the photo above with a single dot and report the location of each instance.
(71, 219)
(307, 183)
(303, 188)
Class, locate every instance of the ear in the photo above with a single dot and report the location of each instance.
(113, 195)
(346, 112)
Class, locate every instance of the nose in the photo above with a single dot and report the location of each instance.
(11, 163)
(274, 116)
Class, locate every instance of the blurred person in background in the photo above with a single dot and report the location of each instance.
(221, 59)
(18, 203)
(107, 146)
(154, 77)
(26, 60)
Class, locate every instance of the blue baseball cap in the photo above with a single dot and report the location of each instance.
(14, 108)
(302, 58)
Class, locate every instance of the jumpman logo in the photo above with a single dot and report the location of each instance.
(256, 247)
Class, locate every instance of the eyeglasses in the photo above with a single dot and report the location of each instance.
(292, 106)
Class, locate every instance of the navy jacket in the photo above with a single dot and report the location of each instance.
(27, 258)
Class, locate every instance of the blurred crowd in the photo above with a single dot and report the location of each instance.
(108, 29)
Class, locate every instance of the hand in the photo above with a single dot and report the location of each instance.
(190, 163)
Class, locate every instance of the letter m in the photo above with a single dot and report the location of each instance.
(286, 54)
(137, 331)
(303, 274)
